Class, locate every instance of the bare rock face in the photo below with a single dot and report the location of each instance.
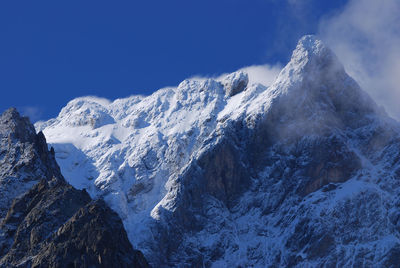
(225, 176)
(85, 241)
(24, 158)
(37, 214)
(52, 224)
(235, 83)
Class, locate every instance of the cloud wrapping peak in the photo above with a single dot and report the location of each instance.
(33, 112)
(365, 35)
(263, 74)
(258, 74)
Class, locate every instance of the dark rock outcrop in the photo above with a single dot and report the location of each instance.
(36, 215)
(52, 224)
(24, 158)
(94, 236)
(235, 83)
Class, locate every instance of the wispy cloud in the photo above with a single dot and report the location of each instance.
(34, 113)
(366, 37)
(263, 74)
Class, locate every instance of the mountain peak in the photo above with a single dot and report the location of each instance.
(315, 87)
(11, 115)
(312, 55)
(310, 61)
(310, 43)
(18, 126)
(12, 112)
(309, 47)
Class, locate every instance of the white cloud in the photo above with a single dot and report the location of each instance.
(365, 35)
(34, 113)
(263, 74)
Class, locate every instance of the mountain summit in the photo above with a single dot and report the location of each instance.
(220, 172)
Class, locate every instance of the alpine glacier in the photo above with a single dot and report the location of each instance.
(220, 172)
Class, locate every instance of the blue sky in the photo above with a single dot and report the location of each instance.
(54, 51)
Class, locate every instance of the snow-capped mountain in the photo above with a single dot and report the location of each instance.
(220, 172)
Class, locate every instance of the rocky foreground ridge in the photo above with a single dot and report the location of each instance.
(44, 221)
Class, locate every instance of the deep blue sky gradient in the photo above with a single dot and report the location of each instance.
(54, 51)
